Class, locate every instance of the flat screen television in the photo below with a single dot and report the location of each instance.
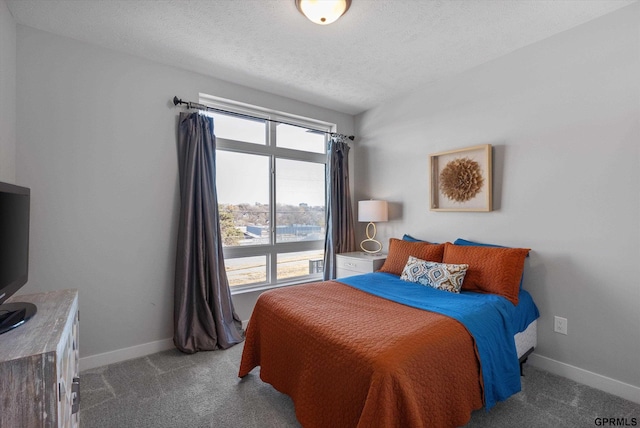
(15, 204)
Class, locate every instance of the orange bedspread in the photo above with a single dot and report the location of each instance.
(351, 359)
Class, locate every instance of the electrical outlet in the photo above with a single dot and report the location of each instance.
(560, 325)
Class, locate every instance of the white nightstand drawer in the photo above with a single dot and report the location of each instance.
(357, 265)
(343, 273)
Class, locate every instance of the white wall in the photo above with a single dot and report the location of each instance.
(563, 116)
(97, 146)
(7, 94)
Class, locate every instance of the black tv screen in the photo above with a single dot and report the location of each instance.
(14, 238)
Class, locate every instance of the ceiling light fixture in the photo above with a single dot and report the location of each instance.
(323, 12)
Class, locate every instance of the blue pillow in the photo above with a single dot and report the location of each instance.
(464, 242)
(410, 238)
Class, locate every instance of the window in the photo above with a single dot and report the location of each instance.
(270, 176)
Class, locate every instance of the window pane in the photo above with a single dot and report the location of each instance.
(243, 198)
(291, 265)
(300, 200)
(295, 137)
(238, 128)
(246, 270)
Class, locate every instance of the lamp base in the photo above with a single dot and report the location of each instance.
(370, 238)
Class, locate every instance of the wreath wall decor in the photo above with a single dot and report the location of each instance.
(461, 179)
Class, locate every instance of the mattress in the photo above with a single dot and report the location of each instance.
(526, 340)
(525, 324)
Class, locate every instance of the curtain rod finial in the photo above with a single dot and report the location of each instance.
(176, 101)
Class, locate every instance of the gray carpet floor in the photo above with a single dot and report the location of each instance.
(171, 389)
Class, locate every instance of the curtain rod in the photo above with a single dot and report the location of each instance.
(197, 106)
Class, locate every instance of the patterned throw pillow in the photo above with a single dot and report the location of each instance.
(443, 276)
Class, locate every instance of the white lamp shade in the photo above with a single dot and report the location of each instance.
(373, 211)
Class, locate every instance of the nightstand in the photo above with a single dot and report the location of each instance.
(357, 263)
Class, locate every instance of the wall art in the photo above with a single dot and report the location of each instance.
(461, 179)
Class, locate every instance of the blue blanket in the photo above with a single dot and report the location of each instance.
(490, 319)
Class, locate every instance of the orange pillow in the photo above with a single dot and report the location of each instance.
(399, 252)
(491, 269)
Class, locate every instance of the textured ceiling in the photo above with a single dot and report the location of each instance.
(379, 49)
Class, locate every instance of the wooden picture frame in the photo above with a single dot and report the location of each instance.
(461, 180)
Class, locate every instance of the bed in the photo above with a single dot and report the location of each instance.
(375, 350)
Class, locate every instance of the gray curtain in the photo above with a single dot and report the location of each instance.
(204, 318)
(340, 234)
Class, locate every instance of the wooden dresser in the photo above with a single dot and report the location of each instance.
(39, 370)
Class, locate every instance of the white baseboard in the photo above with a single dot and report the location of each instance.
(118, 355)
(594, 380)
(98, 360)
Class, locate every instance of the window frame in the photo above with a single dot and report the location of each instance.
(274, 152)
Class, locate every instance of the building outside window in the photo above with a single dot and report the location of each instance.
(270, 174)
